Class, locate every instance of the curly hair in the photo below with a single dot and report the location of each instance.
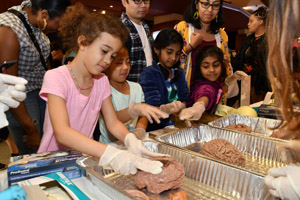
(78, 21)
(215, 24)
(283, 26)
(205, 51)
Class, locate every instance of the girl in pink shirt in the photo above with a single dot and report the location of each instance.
(77, 92)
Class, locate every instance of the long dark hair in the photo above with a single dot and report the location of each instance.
(215, 24)
(205, 51)
(165, 38)
(55, 8)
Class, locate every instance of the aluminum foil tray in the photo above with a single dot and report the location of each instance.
(257, 124)
(204, 178)
(260, 153)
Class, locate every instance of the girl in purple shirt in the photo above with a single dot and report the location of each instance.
(209, 74)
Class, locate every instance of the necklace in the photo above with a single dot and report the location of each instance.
(76, 83)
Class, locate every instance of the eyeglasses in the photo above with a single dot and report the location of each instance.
(206, 5)
(138, 2)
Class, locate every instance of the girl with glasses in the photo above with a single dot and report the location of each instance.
(202, 26)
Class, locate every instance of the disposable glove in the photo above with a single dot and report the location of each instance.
(140, 133)
(238, 75)
(193, 113)
(172, 108)
(11, 93)
(127, 163)
(284, 182)
(142, 109)
(136, 146)
(290, 151)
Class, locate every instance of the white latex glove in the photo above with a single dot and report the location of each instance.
(238, 75)
(142, 109)
(136, 147)
(127, 163)
(140, 133)
(193, 113)
(290, 151)
(11, 93)
(172, 108)
(284, 182)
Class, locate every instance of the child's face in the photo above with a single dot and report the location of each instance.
(211, 68)
(99, 54)
(170, 55)
(120, 67)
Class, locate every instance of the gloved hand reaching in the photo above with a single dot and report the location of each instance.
(284, 182)
(127, 163)
(238, 75)
(11, 94)
(290, 151)
(140, 133)
(142, 109)
(193, 113)
(136, 146)
(172, 108)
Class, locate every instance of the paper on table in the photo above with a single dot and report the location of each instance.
(245, 91)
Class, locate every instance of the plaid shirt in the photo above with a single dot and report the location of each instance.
(137, 55)
(29, 66)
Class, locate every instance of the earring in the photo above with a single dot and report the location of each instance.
(196, 15)
(217, 18)
(44, 25)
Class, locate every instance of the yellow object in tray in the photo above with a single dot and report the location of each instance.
(223, 110)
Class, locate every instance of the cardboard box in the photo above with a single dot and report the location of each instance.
(52, 186)
(33, 165)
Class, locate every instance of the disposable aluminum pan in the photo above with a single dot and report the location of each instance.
(260, 153)
(257, 124)
(204, 178)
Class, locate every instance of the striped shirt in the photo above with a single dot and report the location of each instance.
(29, 66)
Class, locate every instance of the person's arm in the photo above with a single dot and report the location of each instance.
(113, 124)
(67, 135)
(9, 50)
(195, 112)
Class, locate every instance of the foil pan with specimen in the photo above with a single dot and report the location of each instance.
(204, 178)
(257, 124)
(260, 152)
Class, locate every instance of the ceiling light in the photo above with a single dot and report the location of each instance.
(103, 12)
(111, 6)
(94, 10)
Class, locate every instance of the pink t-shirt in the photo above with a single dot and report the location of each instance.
(83, 111)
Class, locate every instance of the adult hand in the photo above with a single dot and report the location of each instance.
(284, 182)
(196, 39)
(136, 146)
(127, 163)
(193, 113)
(11, 93)
(33, 139)
(172, 108)
(290, 151)
(238, 75)
(142, 109)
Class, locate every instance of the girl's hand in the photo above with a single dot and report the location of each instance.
(193, 113)
(127, 163)
(172, 108)
(136, 147)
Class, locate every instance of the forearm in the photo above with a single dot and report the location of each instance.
(118, 129)
(22, 116)
(123, 115)
(79, 142)
(142, 123)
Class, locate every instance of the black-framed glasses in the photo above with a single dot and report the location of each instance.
(206, 5)
(138, 2)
